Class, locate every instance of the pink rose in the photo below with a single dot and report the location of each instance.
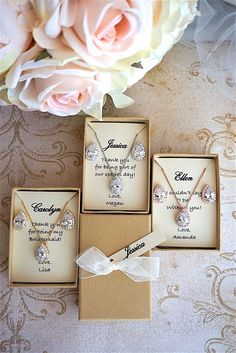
(14, 36)
(88, 48)
(98, 32)
(46, 85)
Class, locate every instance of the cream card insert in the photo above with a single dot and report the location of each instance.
(184, 174)
(116, 139)
(44, 208)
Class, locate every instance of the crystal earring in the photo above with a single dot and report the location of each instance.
(159, 194)
(20, 221)
(138, 152)
(92, 152)
(68, 220)
(208, 194)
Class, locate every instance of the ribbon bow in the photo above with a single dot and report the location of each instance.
(139, 269)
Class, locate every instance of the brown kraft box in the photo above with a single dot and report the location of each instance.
(24, 270)
(209, 240)
(114, 296)
(132, 195)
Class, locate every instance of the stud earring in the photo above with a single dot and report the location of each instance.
(138, 152)
(20, 221)
(159, 194)
(208, 194)
(92, 152)
(68, 220)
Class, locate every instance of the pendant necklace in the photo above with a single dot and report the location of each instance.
(116, 183)
(183, 216)
(65, 219)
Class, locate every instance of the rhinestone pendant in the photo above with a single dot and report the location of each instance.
(20, 221)
(183, 218)
(92, 152)
(116, 186)
(42, 253)
(208, 194)
(68, 220)
(159, 194)
(138, 152)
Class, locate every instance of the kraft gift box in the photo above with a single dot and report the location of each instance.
(116, 136)
(183, 171)
(113, 296)
(60, 269)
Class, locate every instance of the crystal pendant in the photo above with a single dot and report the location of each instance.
(208, 194)
(92, 152)
(68, 220)
(42, 253)
(183, 218)
(159, 194)
(116, 186)
(20, 221)
(138, 152)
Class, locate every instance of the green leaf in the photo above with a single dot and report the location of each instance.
(137, 65)
(43, 55)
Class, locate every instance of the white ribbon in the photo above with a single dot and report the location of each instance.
(139, 269)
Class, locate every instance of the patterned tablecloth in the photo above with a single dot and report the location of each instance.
(194, 302)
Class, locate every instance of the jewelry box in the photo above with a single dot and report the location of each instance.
(113, 296)
(186, 200)
(44, 236)
(116, 168)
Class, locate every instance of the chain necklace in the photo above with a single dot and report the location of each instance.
(42, 251)
(183, 216)
(116, 183)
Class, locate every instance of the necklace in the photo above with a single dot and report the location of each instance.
(42, 251)
(116, 183)
(183, 216)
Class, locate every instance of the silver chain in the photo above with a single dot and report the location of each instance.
(171, 187)
(125, 160)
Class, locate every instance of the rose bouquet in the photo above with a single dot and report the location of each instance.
(65, 56)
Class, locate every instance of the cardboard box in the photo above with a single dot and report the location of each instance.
(114, 296)
(60, 269)
(135, 176)
(203, 231)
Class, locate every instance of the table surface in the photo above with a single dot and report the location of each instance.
(194, 301)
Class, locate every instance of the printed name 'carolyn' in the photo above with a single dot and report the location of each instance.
(38, 207)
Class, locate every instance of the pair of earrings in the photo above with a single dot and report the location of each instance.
(138, 152)
(160, 194)
(21, 222)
